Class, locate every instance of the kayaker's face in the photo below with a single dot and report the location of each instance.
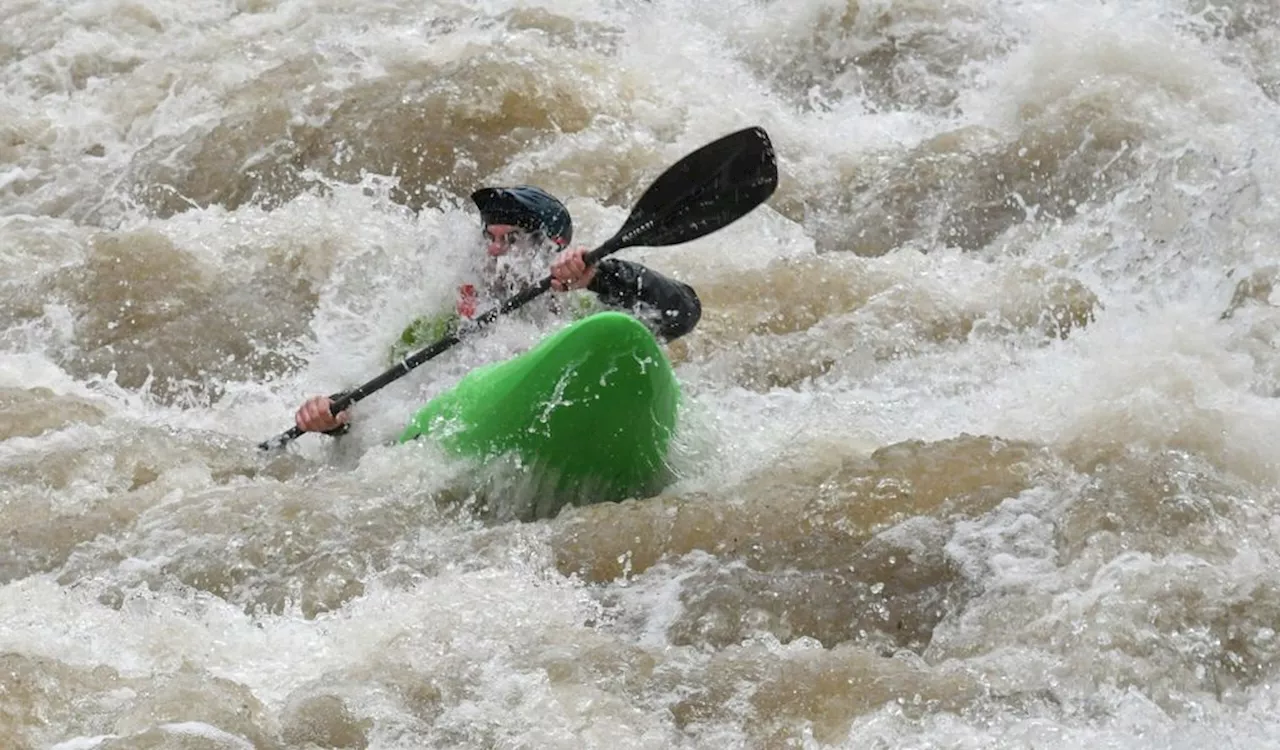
(514, 257)
(504, 238)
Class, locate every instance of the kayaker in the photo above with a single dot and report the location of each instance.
(521, 227)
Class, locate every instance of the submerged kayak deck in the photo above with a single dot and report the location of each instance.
(591, 408)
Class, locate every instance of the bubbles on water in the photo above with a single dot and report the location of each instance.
(976, 443)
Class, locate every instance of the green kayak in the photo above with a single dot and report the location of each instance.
(590, 411)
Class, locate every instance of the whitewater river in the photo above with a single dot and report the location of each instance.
(981, 433)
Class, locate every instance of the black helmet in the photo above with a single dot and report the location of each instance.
(527, 207)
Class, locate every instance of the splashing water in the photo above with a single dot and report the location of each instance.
(978, 444)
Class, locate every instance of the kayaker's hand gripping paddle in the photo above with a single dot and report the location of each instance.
(705, 191)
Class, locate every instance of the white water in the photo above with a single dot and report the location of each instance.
(972, 456)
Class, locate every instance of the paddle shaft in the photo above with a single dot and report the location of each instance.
(341, 401)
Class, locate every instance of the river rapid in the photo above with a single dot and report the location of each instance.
(978, 447)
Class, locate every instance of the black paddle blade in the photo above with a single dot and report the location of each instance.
(705, 191)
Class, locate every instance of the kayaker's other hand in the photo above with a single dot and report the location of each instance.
(314, 416)
(570, 271)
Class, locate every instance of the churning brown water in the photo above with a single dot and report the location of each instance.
(981, 430)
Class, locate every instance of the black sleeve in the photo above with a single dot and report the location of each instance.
(669, 307)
